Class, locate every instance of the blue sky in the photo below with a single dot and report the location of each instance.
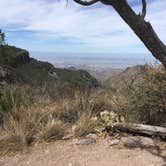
(50, 26)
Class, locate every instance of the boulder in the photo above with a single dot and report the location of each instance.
(138, 141)
(22, 57)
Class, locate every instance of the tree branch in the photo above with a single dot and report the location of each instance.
(141, 28)
(86, 3)
(143, 14)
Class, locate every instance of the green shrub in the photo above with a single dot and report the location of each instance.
(10, 99)
(149, 99)
(143, 99)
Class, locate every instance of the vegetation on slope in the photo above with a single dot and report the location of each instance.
(39, 102)
(139, 94)
(16, 67)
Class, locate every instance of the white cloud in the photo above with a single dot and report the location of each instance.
(93, 26)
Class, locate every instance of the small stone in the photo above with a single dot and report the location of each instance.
(114, 142)
(84, 141)
(67, 137)
(92, 136)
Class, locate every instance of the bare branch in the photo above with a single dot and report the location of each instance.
(143, 14)
(86, 3)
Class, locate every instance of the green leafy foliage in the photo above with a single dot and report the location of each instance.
(140, 95)
(149, 98)
(10, 99)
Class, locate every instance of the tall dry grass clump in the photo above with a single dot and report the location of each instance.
(85, 125)
(23, 127)
(90, 106)
(26, 125)
(53, 130)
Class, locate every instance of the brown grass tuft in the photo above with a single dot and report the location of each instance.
(53, 131)
(85, 125)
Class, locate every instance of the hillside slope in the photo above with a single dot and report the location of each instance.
(17, 67)
(130, 77)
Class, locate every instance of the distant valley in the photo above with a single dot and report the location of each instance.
(101, 66)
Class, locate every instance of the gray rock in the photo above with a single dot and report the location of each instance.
(84, 141)
(67, 137)
(114, 142)
(91, 136)
(138, 141)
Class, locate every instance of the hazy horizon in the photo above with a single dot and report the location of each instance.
(97, 60)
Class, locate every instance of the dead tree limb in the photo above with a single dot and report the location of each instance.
(141, 129)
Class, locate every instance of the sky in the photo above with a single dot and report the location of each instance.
(55, 26)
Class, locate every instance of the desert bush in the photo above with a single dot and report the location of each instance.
(101, 100)
(16, 97)
(121, 105)
(149, 99)
(66, 110)
(145, 102)
(69, 109)
(108, 118)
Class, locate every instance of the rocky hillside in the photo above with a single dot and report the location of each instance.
(17, 67)
(130, 77)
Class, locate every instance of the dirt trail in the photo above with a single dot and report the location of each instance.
(64, 153)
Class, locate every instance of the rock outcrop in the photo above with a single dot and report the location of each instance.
(17, 67)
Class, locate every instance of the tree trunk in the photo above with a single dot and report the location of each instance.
(141, 129)
(141, 28)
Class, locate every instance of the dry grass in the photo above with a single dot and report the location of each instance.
(11, 145)
(24, 126)
(53, 131)
(48, 120)
(85, 125)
